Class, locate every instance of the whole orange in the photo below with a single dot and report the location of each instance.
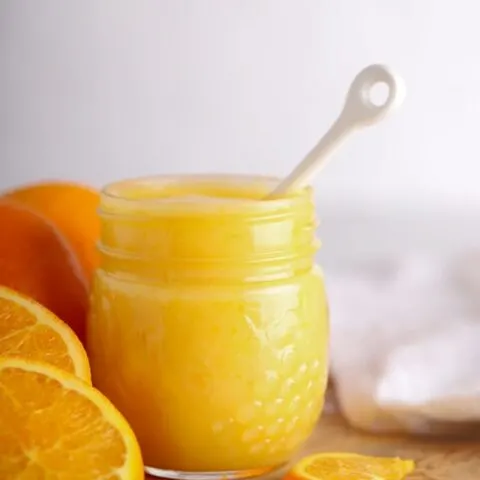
(37, 261)
(73, 210)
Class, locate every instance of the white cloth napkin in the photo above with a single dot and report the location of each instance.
(405, 344)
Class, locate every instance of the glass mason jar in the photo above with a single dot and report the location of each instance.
(208, 327)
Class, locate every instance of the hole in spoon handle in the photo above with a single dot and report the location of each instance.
(358, 111)
(359, 107)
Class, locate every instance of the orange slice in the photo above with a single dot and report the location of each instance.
(350, 466)
(54, 425)
(28, 330)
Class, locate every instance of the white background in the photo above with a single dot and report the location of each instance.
(97, 90)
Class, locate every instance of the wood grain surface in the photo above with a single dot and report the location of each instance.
(435, 459)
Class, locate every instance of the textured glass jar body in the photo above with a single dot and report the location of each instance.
(208, 326)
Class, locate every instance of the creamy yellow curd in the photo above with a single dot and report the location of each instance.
(208, 326)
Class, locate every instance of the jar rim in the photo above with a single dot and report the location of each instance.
(117, 193)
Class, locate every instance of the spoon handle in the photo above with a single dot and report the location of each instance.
(358, 111)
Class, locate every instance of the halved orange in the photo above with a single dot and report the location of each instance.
(350, 466)
(54, 425)
(29, 330)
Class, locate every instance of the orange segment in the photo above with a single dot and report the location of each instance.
(56, 426)
(350, 466)
(28, 330)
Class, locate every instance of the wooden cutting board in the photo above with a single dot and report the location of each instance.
(435, 459)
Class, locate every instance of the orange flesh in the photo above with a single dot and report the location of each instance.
(350, 467)
(22, 336)
(54, 428)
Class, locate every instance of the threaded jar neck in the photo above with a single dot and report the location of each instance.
(170, 228)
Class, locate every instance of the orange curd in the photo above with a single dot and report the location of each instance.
(208, 326)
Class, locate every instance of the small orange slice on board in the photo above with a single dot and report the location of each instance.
(30, 331)
(54, 425)
(350, 466)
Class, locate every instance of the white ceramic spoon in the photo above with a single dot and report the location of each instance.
(359, 111)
